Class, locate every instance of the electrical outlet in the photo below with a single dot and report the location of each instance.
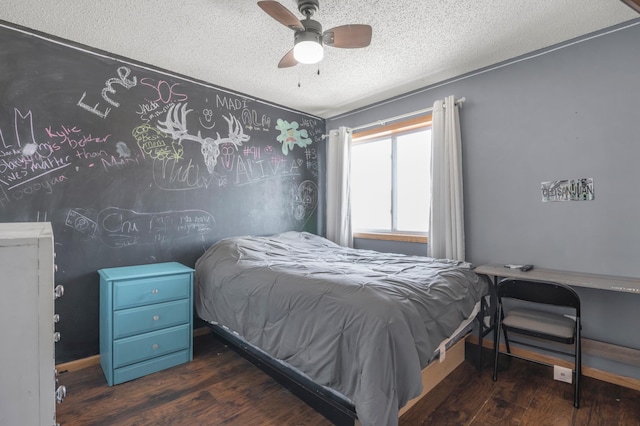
(562, 374)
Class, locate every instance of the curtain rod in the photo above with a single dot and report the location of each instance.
(399, 117)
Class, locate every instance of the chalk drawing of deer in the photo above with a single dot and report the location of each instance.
(175, 125)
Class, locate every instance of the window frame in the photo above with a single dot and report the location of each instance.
(417, 123)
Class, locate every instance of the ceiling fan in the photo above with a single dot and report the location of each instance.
(309, 38)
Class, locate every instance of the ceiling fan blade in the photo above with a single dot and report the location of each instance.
(281, 14)
(288, 60)
(348, 36)
(633, 4)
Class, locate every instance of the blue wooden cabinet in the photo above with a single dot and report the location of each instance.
(146, 319)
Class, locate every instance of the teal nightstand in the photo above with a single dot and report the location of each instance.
(146, 319)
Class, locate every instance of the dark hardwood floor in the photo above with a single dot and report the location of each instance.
(221, 388)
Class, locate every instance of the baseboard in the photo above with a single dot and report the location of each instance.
(594, 373)
(90, 361)
(78, 364)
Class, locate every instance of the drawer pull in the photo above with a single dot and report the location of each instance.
(61, 393)
(155, 346)
(58, 291)
(56, 318)
(156, 317)
(56, 336)
(154, 291)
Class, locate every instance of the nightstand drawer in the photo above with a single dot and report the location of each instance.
(140, 369)
(157, 343)
(128, 322)
(145, 291)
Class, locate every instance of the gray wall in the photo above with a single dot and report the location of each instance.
(569, 112)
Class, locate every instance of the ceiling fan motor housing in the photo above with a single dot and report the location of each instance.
(308, 7)
(311, 27)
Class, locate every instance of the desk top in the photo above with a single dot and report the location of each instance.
(576, 279)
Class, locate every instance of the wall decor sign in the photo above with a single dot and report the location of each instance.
(567, 190)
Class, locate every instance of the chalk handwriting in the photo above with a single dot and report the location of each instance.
(165, 91)
(250, 171)
(26, 166)
(312, 160)
(174, 175)
(33, 163)
(154, 144)
(147, 108)
(308, 122)
(230, 104)
(112, 163)
(250, 120)
(24, 134)
(24, 128)
(73, 137)
(122, 80)
(252, 151)
(119, 228)
(31, 187)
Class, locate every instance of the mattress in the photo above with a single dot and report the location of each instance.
(361, 322)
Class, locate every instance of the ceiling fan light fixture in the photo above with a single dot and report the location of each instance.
(308, 52)
(307, 44)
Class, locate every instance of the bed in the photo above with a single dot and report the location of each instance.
(362, 325)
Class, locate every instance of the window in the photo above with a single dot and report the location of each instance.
(390, 181)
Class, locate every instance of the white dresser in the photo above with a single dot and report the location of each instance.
(27, 375)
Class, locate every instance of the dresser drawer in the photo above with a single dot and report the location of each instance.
(128, 322)
(157, 343)
(145, 291)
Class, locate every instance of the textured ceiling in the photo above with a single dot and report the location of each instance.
(234, 44)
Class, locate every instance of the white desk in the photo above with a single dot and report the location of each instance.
(576, 279)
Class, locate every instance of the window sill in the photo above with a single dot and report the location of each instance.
(405, 238)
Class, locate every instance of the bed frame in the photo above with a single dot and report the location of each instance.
(334, 407)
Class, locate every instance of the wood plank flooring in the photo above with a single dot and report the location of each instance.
(221, 388)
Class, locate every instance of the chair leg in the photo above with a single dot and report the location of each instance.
(480, 333)
(506, 340)
(480, 348)
(576, 391)
(496, 342)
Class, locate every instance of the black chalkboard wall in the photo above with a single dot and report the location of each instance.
(135, 165)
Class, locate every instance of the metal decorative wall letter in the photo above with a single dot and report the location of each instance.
(567, 190)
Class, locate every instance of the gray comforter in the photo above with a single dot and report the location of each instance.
(358, 321)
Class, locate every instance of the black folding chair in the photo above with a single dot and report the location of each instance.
(537, 323)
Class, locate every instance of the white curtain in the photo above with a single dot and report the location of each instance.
(446, 231)
(339, 187)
